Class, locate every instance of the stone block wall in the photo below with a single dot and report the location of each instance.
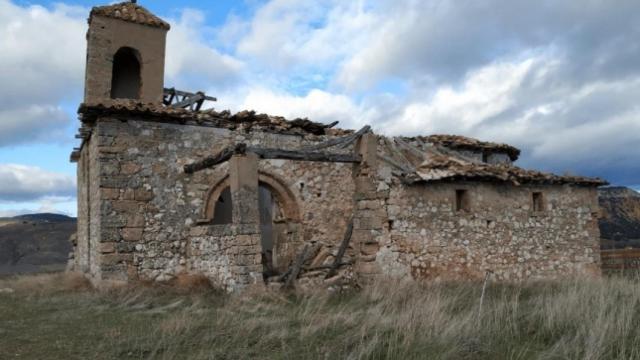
(500, 232)
(228, 254)
(142, 217)
(104, 37)
(150, 212)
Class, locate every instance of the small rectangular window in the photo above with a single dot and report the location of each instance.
(537, 201)
(462, 200)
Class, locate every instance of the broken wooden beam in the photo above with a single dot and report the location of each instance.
(403, 168)
(329, 126)
(342, 141)
(210, 161)
(189, 100)
(325, 267)
(341, 250)
(267, 153)
(297, 265)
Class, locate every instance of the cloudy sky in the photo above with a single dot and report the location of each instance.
(559, 79)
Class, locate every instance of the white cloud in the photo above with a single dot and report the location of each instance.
(557, 78)
(29, 183)
(442, 40)
(317, 105)
(485, 93)
(191, 61)
(32, 123)
(41, 65)
(300, 36)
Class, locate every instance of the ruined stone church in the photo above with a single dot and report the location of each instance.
(168, 186)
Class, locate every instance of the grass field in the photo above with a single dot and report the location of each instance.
(60, 317)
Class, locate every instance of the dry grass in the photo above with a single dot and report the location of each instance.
(58, 316)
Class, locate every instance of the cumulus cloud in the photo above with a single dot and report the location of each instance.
(560, 79)
(193, 62)
(317, 104)
(556, 78)
(29, 183)
(43, 58)
(41, 65)
(442, 40)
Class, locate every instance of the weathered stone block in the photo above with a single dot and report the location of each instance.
(129, 168)
(113, 259)
(109, 193)
(135, 220)
(143, 195)
(369, 249)
(132, 234)
(125, 247)
(107, 247)
(126, 206)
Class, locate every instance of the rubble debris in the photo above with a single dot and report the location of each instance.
(245, 120)
(465, 143)
(434, 162)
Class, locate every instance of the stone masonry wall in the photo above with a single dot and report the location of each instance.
(147, 219)
(429, 239)
(81, 258)
(104, 37)
(151, 210)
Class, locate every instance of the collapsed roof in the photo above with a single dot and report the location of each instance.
(465, 143)
(430, 159)
(419, 159)
(246, 119)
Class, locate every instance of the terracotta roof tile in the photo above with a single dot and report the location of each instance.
(131, 12)
(465, 143)
(425, 163)
(446, 168)
(246, 119)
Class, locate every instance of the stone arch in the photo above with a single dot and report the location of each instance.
(126, 80)
(212, 196)
(285, 197)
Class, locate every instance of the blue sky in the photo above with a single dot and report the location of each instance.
(558, 79)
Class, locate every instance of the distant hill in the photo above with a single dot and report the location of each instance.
(35, 243)
(620, 223)
(45, 217)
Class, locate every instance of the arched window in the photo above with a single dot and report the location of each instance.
(125, 76)
(222, 214)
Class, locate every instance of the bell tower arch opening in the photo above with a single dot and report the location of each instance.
(126, 45)
(125, 74)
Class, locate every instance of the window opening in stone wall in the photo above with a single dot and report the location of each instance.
(485, 157)
(462, 200)
(538, 201)
(125, 75)
(222, 214)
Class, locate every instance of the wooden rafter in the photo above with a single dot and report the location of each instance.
(268, 153)
(183, 99)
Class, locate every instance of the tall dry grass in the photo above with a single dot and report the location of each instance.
(573, 319)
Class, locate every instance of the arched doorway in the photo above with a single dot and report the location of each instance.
(125, 74)
(279, 219)
(278, 234)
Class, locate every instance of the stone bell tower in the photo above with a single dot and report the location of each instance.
(125, 54)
